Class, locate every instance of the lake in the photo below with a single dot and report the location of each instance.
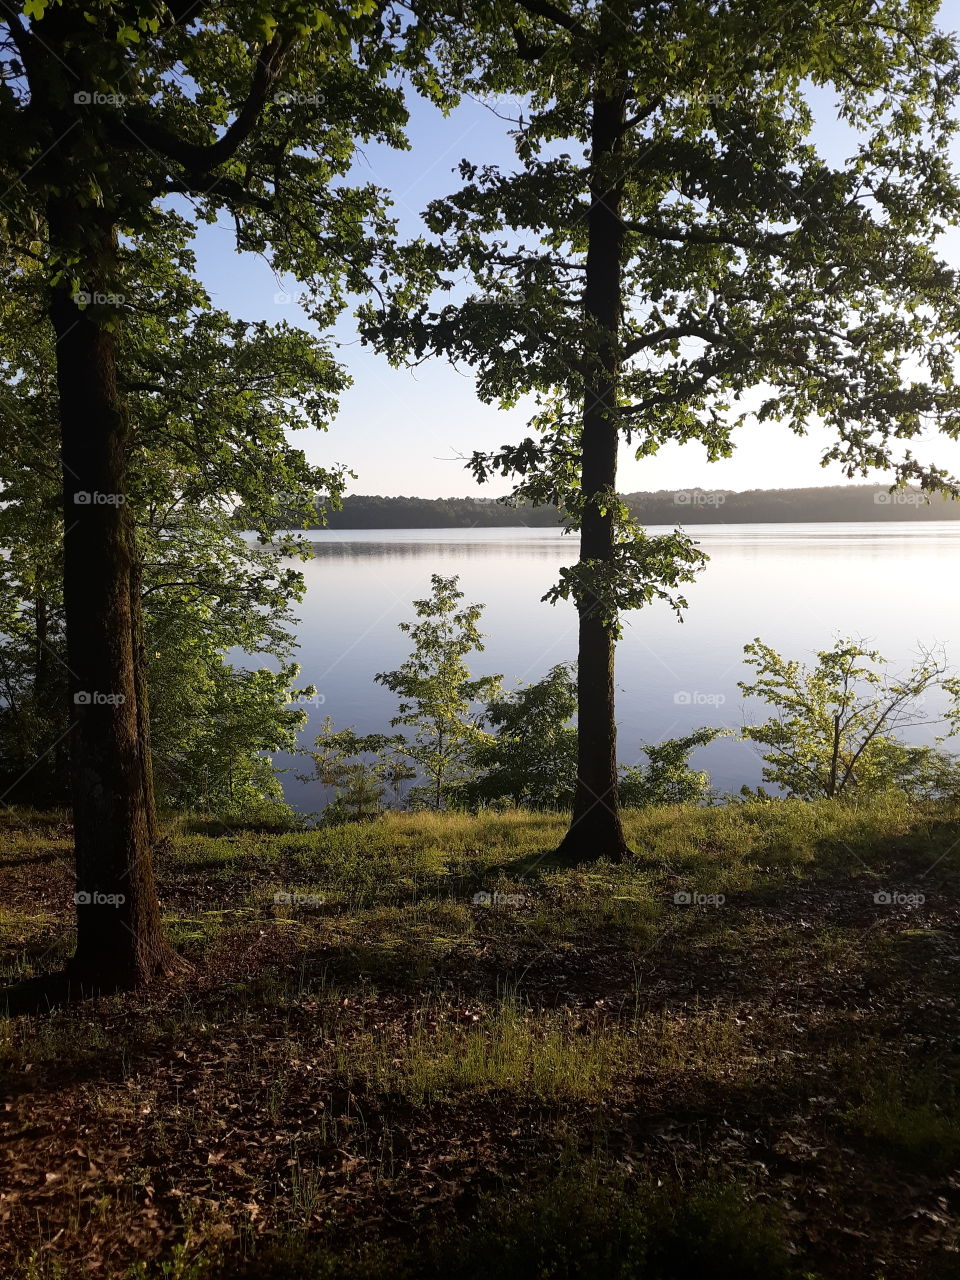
(796, 586)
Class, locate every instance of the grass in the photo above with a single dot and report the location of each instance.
(585, 1224)
(912, 1109)
(443, 1051)
(546, 1057)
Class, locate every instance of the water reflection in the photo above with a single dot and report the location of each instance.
(548, 549)
(795, 586)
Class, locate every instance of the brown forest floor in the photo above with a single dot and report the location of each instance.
(394, 1058)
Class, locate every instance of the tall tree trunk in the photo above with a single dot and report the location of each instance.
(120, 941)
(596, 830)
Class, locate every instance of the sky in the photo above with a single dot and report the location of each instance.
(409, 431)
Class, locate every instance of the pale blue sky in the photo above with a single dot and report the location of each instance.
(407, 431)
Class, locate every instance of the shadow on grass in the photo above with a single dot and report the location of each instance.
(37, 859)
(588, 1224)
(42, 994)
(536, 863)
(929, 845)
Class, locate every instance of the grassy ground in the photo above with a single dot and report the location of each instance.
(725, 1058)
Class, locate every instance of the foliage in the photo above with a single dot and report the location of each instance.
(530, 759)
(341, 760)
(834, 731)
(667, 778)
(436, 690)
(207, 587)
(749, 259)
(124, 123)
(280, 97)
(640, 570)
(520, 752)
(924, 773)
(436, 693)
(664, 507)
(371, 511)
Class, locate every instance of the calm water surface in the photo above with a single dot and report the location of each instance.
(795, 586)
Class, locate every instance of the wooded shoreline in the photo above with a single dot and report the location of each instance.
(664, 507)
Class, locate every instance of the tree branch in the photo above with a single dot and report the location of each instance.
(662, 231)
(198, 159)
(552, 12)
(629, 349)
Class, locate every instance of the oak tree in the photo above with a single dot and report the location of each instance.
(121, 119)
(672, 256)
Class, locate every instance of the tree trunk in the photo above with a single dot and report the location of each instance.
(120, 941)
(596, 830)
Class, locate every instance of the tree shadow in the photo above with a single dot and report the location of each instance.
(39, 858)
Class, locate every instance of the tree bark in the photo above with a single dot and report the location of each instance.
(120, 940)
(596, 830)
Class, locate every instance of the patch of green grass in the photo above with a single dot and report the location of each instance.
(547, 1059)
(550, 1056)
(57, 1037)
(191, 935)
(25, 928)
(409, 940)
(404, 858)
(700, 1041)
(914, 1111)
(31, 942)
(782, 835)
(585, 1224)
(545, 1056)
(579, 905)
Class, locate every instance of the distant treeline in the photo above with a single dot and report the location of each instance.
(772, 506)
(363, 511)
(666, 507)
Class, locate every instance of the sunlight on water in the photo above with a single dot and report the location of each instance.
(796, 586)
